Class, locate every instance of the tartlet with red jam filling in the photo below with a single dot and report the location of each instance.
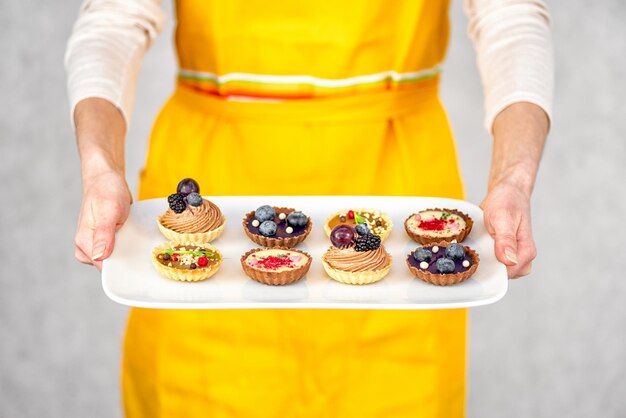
(272, 226)
(186, 262)
(436, 225)
(442, 263)
(276, 266)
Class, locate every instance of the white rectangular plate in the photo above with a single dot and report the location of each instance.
(129, 278)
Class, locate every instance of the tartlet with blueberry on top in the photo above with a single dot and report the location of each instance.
(276, 266)
(356, 256)
(435, 225)
(190, 217)
(272, 226)
(443, 263)
(186, 261)
(378, 222)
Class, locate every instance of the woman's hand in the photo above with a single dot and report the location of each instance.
(105, 207)
(507, 219)
(519, 133)
(100, 131)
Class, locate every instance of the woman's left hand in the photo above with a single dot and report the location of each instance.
(507, 219)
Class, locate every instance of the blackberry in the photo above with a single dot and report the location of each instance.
(367, 242)
(177, 203)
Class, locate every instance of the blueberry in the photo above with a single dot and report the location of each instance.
(268, 229)
(194, 199)
(362, 229)
(445, 265)
(297, 219)
(455, 251)
(265, 213)
(422, 254)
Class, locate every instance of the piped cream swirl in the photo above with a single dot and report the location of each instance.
(355, 261)
(204, 218)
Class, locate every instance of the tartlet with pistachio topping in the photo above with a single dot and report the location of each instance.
(186, 261)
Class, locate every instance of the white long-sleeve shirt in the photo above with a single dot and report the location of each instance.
(511, 37)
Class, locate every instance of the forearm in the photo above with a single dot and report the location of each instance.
(100, 132)
(519, 134)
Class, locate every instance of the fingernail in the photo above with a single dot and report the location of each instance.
(98, 251)
(510, 255)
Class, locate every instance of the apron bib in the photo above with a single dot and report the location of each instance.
(347, 103)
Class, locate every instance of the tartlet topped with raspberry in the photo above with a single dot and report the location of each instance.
(187, 262)
(190, 217)
(276, 266)
(434, 225)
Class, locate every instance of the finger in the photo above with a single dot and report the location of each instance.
(504, 233)
(515, 272)
(81, 256)
(103, 240)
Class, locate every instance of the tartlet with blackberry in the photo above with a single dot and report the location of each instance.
(435, 225)
(273, 226)
(356, 256)
(379, 223)
(276, 266)
(186, 261)
(190, 217)
(443, 263)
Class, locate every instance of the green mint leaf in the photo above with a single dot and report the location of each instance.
(358, 219)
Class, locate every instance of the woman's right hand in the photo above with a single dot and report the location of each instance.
(105, 207)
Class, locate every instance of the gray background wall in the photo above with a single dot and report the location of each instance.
(555, 346)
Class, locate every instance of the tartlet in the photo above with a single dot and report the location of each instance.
(356, 258)
(276, 266)
(190, 217)
(273, 226)
(186, 262)
(443, 263)
(379, 223)
(436, 225)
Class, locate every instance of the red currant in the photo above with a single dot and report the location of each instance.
(351, 214)
(174, 257)
(203, 261)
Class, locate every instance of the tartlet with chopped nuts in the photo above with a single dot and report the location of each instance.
(273, 226)
(377, 222)
(186, 262)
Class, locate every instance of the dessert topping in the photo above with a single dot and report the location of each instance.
(265, 213)
(177, 202)
(297, 219)
(351, 214)
(433, 224)
(362, 229)
(455, 251)
(435, 249)
(203, 261)
(272, 262)
(445, 265)
(353, 261)
(282, 216)
(423, 265)
(187, 186)
(342, 236)
(368, 242)
(255, 223)
(423, 254)
(194, 199)
(268, 228)
(466, 263)
(289, 230)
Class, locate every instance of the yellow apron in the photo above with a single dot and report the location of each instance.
(348, 105)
